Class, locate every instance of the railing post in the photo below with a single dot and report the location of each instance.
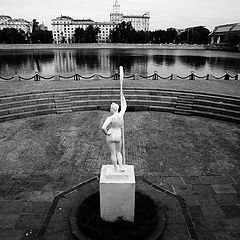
(209, 77)
(192, 77)
(56, 78)
(136, 76)
(173, 76)
(36, 77)
(155, 76)
(116, 75)
(16, 78)
(226, 77)
(96, 76)
(76, 75)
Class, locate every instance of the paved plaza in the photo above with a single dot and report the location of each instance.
(192, 157)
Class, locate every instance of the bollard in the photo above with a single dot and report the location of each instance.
(16, 78)
(192, 77)
(96, 77)
(136, 76)
(174, 76)
(56, 78)
(226, 77)
(76, 75)
(36, 77)
(155, 76)
(209, 77)
(115, 77)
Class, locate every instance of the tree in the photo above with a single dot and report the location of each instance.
(12, 35)
(123, 33)
(235, 41)
(194, 35)
(89, 35)
(35, 25)
(42, 36)
(79, 35)
(171, 35)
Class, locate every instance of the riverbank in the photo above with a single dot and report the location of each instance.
(100, 46)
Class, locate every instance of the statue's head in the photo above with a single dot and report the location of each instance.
(114, 107)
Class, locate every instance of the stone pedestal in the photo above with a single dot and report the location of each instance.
(117, 193)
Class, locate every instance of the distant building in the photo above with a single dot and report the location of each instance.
(139, 22)
(64, 28)
(105, 29)
(226, 35)
(8, 22)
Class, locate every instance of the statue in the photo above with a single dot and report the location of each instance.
(113, 127)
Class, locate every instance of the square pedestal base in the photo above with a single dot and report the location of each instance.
(117, 193)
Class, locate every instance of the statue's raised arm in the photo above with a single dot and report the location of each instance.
(123, 104)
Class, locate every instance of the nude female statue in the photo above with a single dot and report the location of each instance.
(112, 127)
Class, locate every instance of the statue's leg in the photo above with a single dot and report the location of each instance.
(119, 155)
(112, 148)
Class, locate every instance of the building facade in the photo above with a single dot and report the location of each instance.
(139, 22)
(64, 29)
(8, 22)
(226, 35)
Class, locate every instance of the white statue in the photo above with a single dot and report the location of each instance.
(113, 127)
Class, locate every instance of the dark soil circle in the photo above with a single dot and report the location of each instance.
(91, 224)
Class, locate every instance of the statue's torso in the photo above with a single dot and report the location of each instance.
(115, 130)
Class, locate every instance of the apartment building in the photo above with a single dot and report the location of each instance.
(8, 22)
(63, 27)
(139, 22)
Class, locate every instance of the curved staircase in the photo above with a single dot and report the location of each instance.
(222, 107)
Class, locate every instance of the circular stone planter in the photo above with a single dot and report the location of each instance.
(86, 223)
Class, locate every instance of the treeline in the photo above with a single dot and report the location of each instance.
(125, 33)
(14, 36)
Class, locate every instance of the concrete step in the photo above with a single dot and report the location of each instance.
(182, 112)
(61, 94)
(189, 101)
(222, 117)
(64, 111)
(63, 105)
(186, 96)
(183, 107)
(59, 99)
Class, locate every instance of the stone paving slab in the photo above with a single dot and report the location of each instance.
(224, 189)
(212, 214)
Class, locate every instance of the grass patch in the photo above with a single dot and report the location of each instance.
(91, 224)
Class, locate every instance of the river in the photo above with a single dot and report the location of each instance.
(105, 62)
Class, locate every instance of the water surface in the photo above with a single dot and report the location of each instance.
(105, 62)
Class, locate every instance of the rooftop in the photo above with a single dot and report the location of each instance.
(227, 27)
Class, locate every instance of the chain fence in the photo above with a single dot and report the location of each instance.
(116, 76)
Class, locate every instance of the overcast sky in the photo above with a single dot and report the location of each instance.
(163, 13)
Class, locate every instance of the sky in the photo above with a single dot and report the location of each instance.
(178, 14)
